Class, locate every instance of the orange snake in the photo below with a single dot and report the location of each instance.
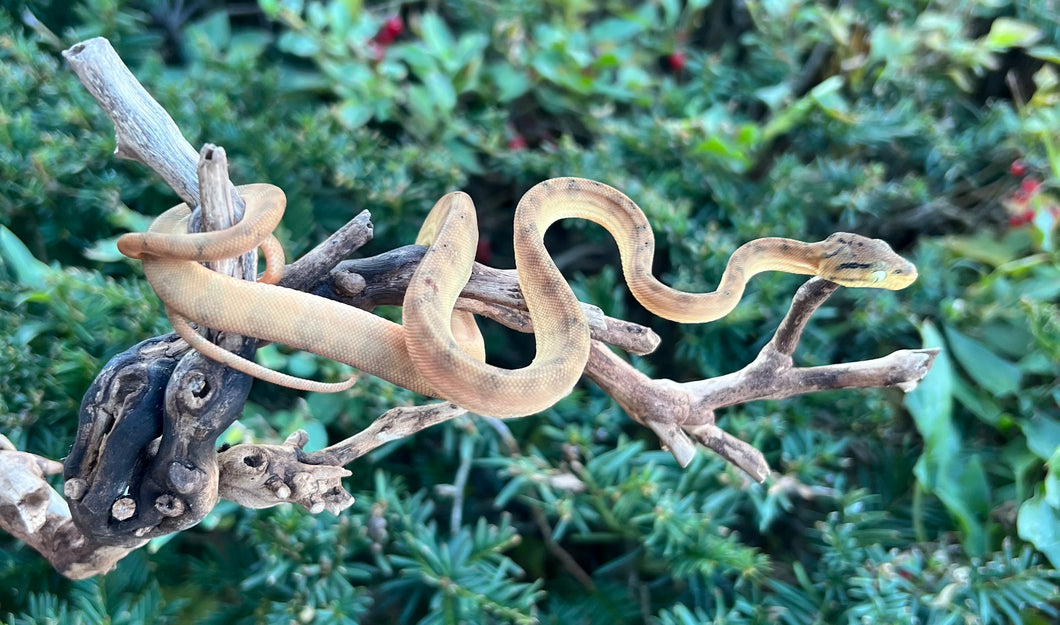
(437, 351)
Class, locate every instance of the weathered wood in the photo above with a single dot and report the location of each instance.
(144, 131)
(33, 512)
(682, 412)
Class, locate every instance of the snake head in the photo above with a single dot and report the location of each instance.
(852, 260)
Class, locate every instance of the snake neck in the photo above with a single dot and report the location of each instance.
(776, 254)
(760, 255)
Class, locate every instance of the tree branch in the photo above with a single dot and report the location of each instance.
(682, 412)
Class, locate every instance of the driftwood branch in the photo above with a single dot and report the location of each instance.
(144, 463)
(262, 476)
(38, 515)
(683, 413)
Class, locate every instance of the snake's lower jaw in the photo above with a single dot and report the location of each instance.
(895, 281)
(892, 278)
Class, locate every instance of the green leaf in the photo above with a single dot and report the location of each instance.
(1007, 33)
(965, 491)
(271, 8)
(957, 480)
(422, 105)
(248, 46)
(614, 30)
(828, 95)
(931, 402)
(303, 364)
(104, 251)
(1039, 524)
(28, 271)
(1043, 436)
(990, 371)
(211, 33)
(728, 151)
(298, 44)
(985, 248)
(419, 60)
(511, 83)
(981, 404)
(436, 34)
(774, 95)
(441, 90)
(468, 51)
(326, 407)
(353, 114)
(1045, 53)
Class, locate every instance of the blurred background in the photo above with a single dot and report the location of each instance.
(933, 125)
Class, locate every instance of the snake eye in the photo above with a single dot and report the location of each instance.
(877, 276)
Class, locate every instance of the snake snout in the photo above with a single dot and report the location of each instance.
(901, 276)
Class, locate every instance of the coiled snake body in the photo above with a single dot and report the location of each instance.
(437, 351)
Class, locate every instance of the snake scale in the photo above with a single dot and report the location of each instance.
(437, 351)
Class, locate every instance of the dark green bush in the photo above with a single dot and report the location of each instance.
(932, 127)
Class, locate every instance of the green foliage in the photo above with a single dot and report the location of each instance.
(57, 329)
(931, 125)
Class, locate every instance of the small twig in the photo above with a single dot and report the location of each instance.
(565, 558)
(394, 424)
(312, 272)
(810, 296)
(463, 470)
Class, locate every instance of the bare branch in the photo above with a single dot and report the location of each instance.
(808, 299)
(314, 271)
(394, 424)
(771, 376)
(676, 410)
(145, 133)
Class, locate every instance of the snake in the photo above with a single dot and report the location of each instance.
(435, 350)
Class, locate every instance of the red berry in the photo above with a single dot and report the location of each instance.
(517, 143)
(1021, 219)
(394, 26)
(677, 61)
(1030, 185)
(1018, 167)
(390, 30)
(1020, 196)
